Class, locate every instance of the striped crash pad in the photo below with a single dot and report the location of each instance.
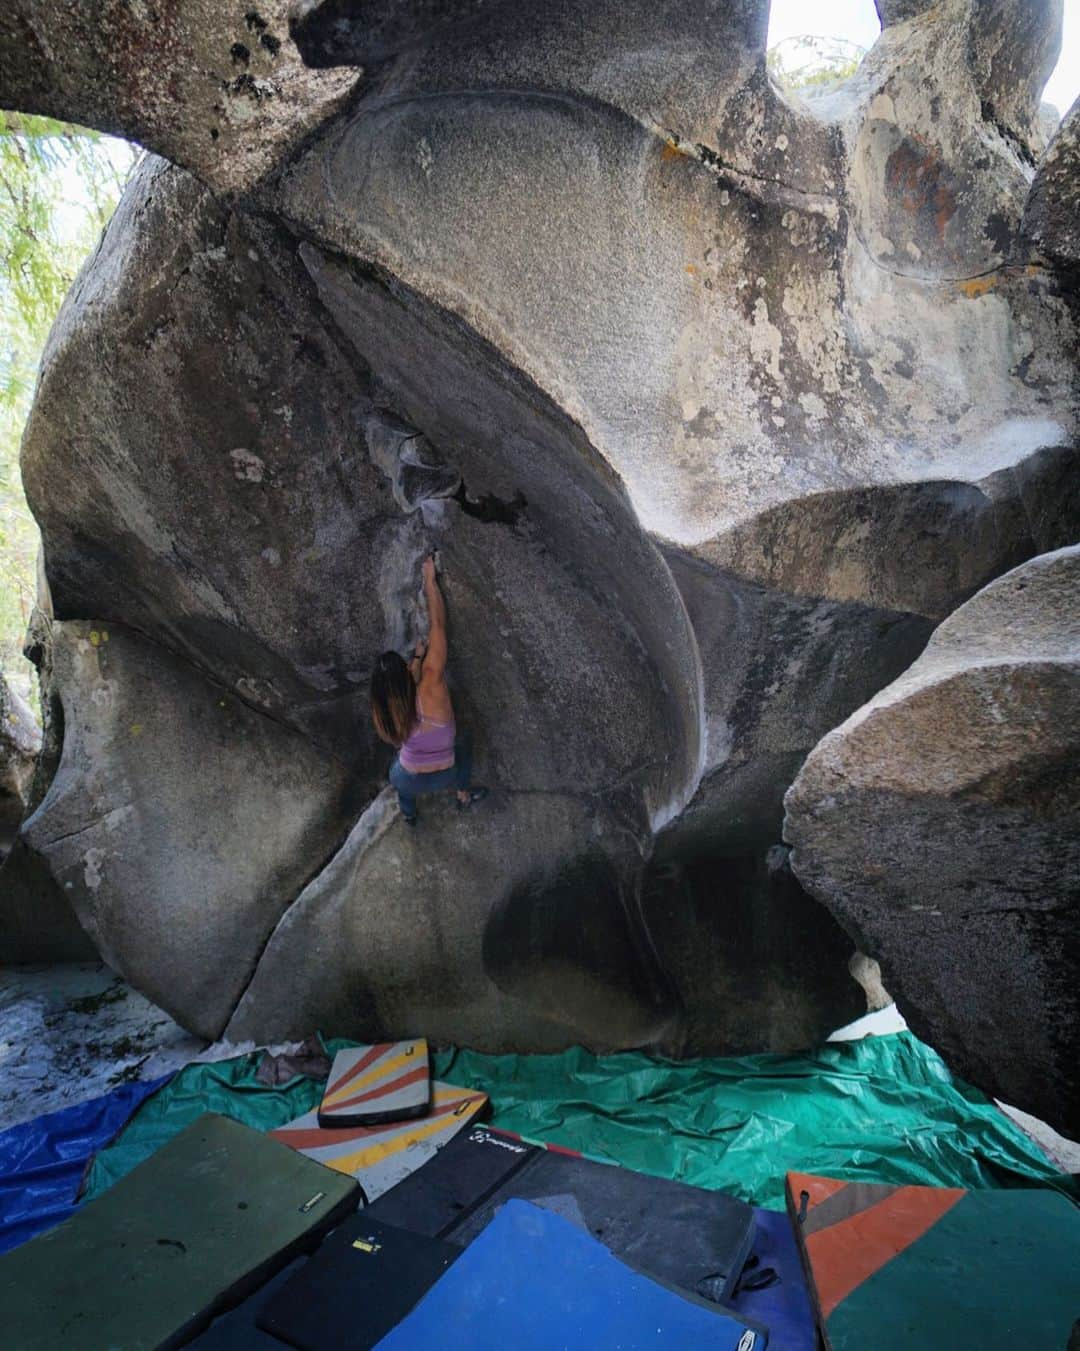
(937, 1268)
(370, 1084)
(382, 1155)
(206, 1220)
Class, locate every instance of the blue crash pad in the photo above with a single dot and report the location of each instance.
(783, 1307)
(533, 1281)
(42, 1161)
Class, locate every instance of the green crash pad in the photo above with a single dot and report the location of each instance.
(884, 1109)
(211, 1216)
(937, 1268)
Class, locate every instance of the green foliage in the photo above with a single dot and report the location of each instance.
(59, 185)
(810, 61)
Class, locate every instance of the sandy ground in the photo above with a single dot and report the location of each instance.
(68, 1033)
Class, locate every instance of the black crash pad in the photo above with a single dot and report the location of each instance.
(200, 1224)
(688, 1237)
(460, 1177)
(236, 1330)
(363, 1280)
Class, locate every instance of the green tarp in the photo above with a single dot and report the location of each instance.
(228, 1087)
(884, 1109)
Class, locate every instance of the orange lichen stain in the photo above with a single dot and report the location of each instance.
(672, 151)
(691, 269)
(916, 171)
(974, 287)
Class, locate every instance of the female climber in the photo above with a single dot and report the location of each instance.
(411, 709)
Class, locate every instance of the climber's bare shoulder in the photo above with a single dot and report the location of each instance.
(435, 694)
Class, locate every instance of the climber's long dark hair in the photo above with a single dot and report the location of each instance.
(393, 698)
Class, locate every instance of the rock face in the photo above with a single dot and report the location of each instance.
(37, 922)
(713, 402)
(1052, 213)
(941, 824)
(174, 790)
(213, 84)
(20, 742)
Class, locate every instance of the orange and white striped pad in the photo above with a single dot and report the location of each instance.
(381, 1156)
(369, 1084)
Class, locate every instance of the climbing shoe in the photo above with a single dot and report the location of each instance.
(475, 795)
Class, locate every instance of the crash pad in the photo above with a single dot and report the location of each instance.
(236, 1329)
(532, 1280)
(209, 1218)
(686, 1236)
(883, 1109)
(389, 1081)
(363, 1280)
(934, 1268)
(380, 1155)
(42, 1161)
(772, 1289)
(459, 1178)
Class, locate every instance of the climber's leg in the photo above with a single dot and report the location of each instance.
(463, 764)
(405, 784)
(466, 794)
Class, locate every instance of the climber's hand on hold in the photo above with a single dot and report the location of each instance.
(428, 569)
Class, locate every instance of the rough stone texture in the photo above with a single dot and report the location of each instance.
(20, 740)
(180, 821)
(713, 404)
(70, 1033)
(37, 921)
(487, 943)
(941, 824)
(1052, 213)
(751, 965)
(214, 85)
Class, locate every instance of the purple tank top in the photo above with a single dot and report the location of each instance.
(429, 746)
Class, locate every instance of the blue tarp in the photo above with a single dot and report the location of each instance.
(42, 1161)
(533, 1281)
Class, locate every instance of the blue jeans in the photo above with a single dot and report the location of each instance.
(411, 786)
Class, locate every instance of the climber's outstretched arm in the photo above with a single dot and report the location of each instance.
(435, 661)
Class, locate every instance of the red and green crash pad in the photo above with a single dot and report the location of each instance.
(901, 1268)
(205, 1221)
